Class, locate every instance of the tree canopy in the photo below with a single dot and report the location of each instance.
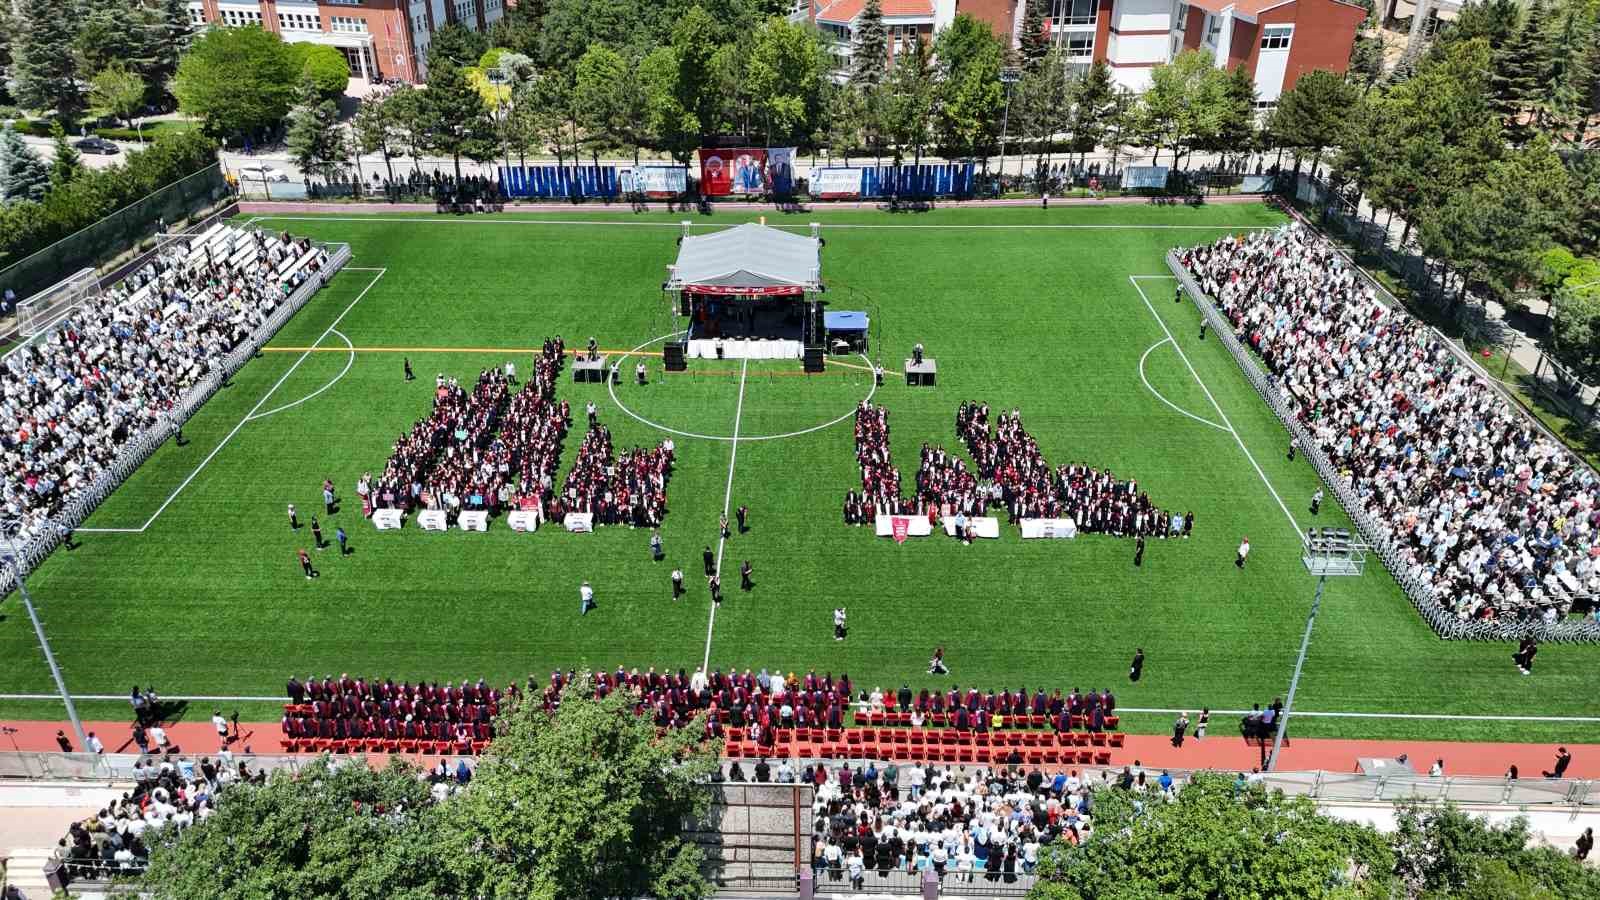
(327, 68)
(238, 81)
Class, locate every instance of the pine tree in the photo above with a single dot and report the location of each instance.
(1092, 102)
(44, 65)
(109, 31)
(1562, 98)
(1519, 67)
(66, 163)
(314, 139)
(870, 56)
(23, 176)
(167, 34)
(1034, 43)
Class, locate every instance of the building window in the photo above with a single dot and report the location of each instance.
(239, 18)
(1276, 37)
(343, 2)
(1073, 12)
(490, 6)
(1079, 44)
(465, 12)
(349, 24)
(901, 36)
(299, 22)
(420, 26)
(1213, 30)
(197, 15)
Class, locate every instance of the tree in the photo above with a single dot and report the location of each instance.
(604, 101)
(1366, 54)
(631, 27)
(1044, 105)
(847, 125)
(1184, 105)
(669, 123)
(585, 804)
(1234, 128)
(7, 30)
(43, 64)
(909, 101)
(972, 98)
(65, 161)
(110, 31)
(23, 176)
(119, 92)
(315, 140)
(237, 80)
(1218, 838)
(375, 129)
(1495, 21)
(1034, 42)
(324, 65)
(169, 34)
(1313, 115)
(1519, 69)
(786, 71)
(695, 42)
(456, 44)
(1442, 852)
(1567, 82)
(454, 117)
(869, 57)
(1093, 100)
(327, 831)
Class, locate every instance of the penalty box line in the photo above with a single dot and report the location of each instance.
(244, 421)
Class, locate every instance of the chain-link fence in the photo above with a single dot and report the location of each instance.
(1412, 576)
(134, 453)
(131, 228)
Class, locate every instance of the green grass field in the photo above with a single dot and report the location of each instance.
(209, 599)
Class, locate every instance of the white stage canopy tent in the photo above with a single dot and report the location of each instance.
(748, 259)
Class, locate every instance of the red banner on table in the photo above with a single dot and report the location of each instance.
(740, 170)
(901, 526)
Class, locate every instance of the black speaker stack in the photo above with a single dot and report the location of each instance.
(672, 357)
(813, 360)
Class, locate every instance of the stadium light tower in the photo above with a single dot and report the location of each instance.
(1326, 552)
(8, 528)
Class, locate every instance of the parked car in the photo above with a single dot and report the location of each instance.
(97, 145)
(258, 173)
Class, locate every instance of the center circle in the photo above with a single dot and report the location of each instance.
(611, 389)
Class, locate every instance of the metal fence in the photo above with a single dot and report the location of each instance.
(133, 454)
(128, 227)
(1412, 577)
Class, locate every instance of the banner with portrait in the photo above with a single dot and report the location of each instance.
(780, 169)
(739, 170)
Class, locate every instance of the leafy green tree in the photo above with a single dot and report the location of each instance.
(375, 130)
(324, 65)
(787, 69)
(1044, 104)
(167, 35)
(869, 57)
(518, 29)
(733, 101)
(1495, 21)
(118, 91)
(23, 176)
(669, 123)
(315, 139)
(910, 100)
(457, 45)
(971, 96)
(1093, 100)
(65, 161)
(236, 80)
(454, 116)
(8, 30)
(110, 31)
(847, 125)
(570, 27)
(1234, 129)
(329, 831)
(586, 804)
(1314, 114)
(1217, 839)
(605, 104)
(404, 110)
(694, 45)
(1184, 105)
(1034, 42)
(1441, 852)
(43, 65)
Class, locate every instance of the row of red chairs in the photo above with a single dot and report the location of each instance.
(941, 719)
(949, 737)
(965, 753)
(380, 745)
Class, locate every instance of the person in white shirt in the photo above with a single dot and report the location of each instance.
(838, 623)
(586, 596)
(95, 744)
(1244, 551)
(158, 735)
(220, 724)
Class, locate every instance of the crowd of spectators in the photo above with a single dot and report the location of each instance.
(117, 366)
(627, 488)
(1499, 521)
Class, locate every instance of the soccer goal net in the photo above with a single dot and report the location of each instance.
(36, 314)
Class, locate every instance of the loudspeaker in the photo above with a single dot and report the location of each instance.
(813, 360)
(672, 357)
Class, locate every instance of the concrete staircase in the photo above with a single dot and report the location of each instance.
(25, 869)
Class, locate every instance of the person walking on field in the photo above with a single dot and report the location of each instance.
(305, 563)
(410, 376)
(316, 534)
(1201, 723)
(745, 571)
(1316, 501)
(343, 539)
(710, 561)
(742, 514)
(1136, 668)
(585, 599)
(1178, 729)
(1138, 552)
(677, 583)
(723, 524)
(655, 546)
(294, 520)
(1244, 551)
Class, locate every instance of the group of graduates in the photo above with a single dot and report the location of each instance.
(1496, 519)
(119, 365)
(880, 479)
(627, 488)
(975, 709)
(353, 708)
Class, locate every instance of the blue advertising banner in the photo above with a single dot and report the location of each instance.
(559, 182)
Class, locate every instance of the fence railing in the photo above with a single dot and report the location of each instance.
(1411, 576)
(31, 553)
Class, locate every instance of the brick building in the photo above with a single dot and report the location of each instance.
(1277, 40)
(379, 38)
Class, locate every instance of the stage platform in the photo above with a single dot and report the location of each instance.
(706, 348)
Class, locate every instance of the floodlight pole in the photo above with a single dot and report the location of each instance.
(1294, 682)
(44, 643)
(1008, 76)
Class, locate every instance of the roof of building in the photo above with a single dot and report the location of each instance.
(748, 256)
(1250, 9)
(843, 12)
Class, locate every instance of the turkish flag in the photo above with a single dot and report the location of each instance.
(900, 526)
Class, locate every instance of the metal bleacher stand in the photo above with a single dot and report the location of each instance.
(1412, 580)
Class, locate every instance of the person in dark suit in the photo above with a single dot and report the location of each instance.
(715, 583)
(296, 690)
(710, 560)
(745, 571)
(407, 362)
(743, 515)
(1136, 668)
(1563, 759)
(1138, 551)
(677, 583)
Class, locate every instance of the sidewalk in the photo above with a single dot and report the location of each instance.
(1224, 749)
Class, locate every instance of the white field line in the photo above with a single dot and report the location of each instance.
(1151, 388)
(242, 422)
(727, 500)
(1220, 414)
(1326, 714)
(711, 225)
(336, 379)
